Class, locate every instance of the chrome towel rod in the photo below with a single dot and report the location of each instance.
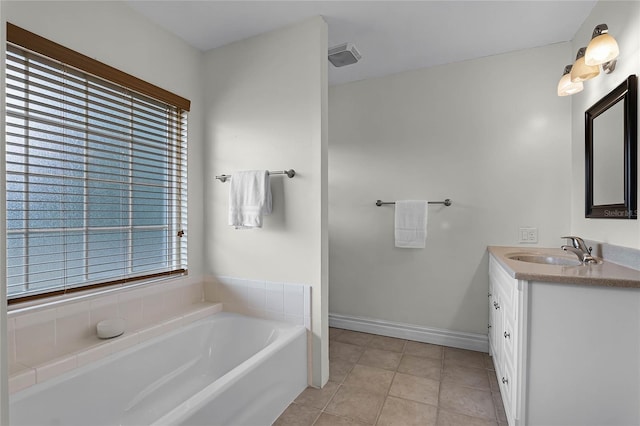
(291, 173)
(446, 202)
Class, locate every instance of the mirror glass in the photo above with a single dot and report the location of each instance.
(608, 156)
(611, 156)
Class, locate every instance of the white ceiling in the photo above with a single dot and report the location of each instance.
(392, 36)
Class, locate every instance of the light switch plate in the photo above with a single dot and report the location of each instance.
(528, 235)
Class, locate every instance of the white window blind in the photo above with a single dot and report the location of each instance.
(96, 180)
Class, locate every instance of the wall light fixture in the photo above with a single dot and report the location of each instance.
(602, 48)
(581, 71)
(601, 51)
(565, 86)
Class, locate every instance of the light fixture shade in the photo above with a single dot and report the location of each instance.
(581, 71)
(565, 86)
(601, 49)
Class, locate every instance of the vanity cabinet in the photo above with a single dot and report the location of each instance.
(504, 307)
(565, 354)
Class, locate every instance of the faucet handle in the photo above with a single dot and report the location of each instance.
(575, 241)
(579, 243)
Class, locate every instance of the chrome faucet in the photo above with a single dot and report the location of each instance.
(579, 248)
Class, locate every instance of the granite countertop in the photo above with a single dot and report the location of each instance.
(606, 274)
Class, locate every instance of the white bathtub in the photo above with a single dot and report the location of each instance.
(226, 369)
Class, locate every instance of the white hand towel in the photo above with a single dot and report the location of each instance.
(249, 199)
(411, 223)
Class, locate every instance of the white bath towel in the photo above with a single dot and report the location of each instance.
(249, 199)
(411, 223)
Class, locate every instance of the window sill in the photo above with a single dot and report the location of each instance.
(77, 296)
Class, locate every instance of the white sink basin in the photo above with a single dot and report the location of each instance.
(545, 259)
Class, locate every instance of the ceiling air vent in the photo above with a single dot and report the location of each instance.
(344, 54)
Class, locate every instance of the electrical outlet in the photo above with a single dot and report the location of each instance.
(528, 235)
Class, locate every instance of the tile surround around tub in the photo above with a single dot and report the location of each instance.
(22, 376)
(44, 341)
(287, 302)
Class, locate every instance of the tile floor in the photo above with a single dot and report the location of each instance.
(377, 380)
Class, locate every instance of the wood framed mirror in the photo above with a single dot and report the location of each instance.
(611, 142)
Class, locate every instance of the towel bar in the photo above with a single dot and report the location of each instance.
(446, 202)
(291, 173)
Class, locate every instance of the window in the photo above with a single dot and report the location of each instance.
(95, 171)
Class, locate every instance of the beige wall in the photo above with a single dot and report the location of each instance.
(623, 19)
(266, 103)
(490, 134)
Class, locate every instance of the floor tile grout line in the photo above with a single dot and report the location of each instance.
(317, 418)
(495, 406)
(404, 347)
(337, 415)
(379, 413)
(440, 382)
(386, 396)
(439, 388)
(340, 384)
(384, 401)
(328, 402)
(490, 391)
(409, 399)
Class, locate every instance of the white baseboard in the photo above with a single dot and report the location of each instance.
(436, 336)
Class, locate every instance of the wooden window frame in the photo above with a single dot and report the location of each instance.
(86, 64)
(53, 50)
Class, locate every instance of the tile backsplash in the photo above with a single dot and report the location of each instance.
(39, 334)
(266, 299)
(624, 256)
